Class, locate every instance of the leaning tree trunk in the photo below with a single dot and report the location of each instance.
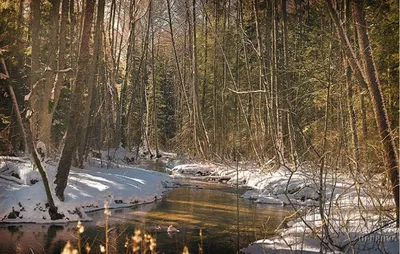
(368, 76)
(374, 87)
(29, 149)
(76, 104)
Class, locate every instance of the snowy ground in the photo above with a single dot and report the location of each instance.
(23, 199)
(358, 213)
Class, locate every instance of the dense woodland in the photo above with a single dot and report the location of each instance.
(286, 81)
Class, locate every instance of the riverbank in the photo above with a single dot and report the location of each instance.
(23, 199)
(357, 210)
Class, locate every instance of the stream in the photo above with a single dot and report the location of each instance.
(207, 207)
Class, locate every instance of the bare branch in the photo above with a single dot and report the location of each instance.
(246, 92)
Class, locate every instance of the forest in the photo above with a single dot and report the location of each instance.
(260, 80)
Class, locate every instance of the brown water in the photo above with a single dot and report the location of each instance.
(209, 207)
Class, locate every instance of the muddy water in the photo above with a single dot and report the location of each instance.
(211, 208)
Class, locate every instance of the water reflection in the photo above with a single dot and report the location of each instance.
(212, 209)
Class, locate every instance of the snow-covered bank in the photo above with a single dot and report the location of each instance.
(87, 190)
(358, 210)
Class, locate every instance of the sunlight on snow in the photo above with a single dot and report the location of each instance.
(73, 196)
(93, 184)
(79, 190)
(94, 177)
(134, 179)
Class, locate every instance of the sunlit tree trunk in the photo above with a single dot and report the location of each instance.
(154, 82)
(352, 115)
(91, 81)
(368, 76)
(47, 95)
(76, 105)
(35, 67)
(375, 91)
(129, 66)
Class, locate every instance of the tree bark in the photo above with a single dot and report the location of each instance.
(47, 96)
(29, 149)
(154, 82)
(181, 81)
(128, 69)
(35, 66)
(375, 91)
(92, 79)
(76, 104)
(352, 115)
(369, 77)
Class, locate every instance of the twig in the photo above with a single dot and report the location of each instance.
(246, 92)
(370, 233)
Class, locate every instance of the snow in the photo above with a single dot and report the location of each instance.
(358, 211)
(191, 170)
(87, 190)
(351, 208)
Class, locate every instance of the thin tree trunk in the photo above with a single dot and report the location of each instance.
(274, 87)
(61, 54)
(215, 79)
(35, 66)
(17, 111)
(128, 69)
(363, 115)
(203, 97)
(176, 60)
(29, 149)
(47, 97)
(352, 116)
(154, 82)
(205, 143)
(76, 105)
(91, 80)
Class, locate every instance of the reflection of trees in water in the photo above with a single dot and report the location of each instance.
(188, 209)
(12, 229)
(51, 235)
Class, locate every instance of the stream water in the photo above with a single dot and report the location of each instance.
(211, 208)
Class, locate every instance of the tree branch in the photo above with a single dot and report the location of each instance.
(246, 92)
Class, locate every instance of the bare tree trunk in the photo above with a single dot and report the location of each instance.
(352, 116)
(248, 115)
(363, 115)
(35, 66)
(30, 149)
(374, 87)
(205, 81)
(368, 76)
(47, 96)
(92, 79)
(154, 82)
(128, 69)
(275, 89)
(61, 54)
(17, 111)
(119, 38)
(76, 105)
(215, 79)
(262, 100)
(177, 61)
